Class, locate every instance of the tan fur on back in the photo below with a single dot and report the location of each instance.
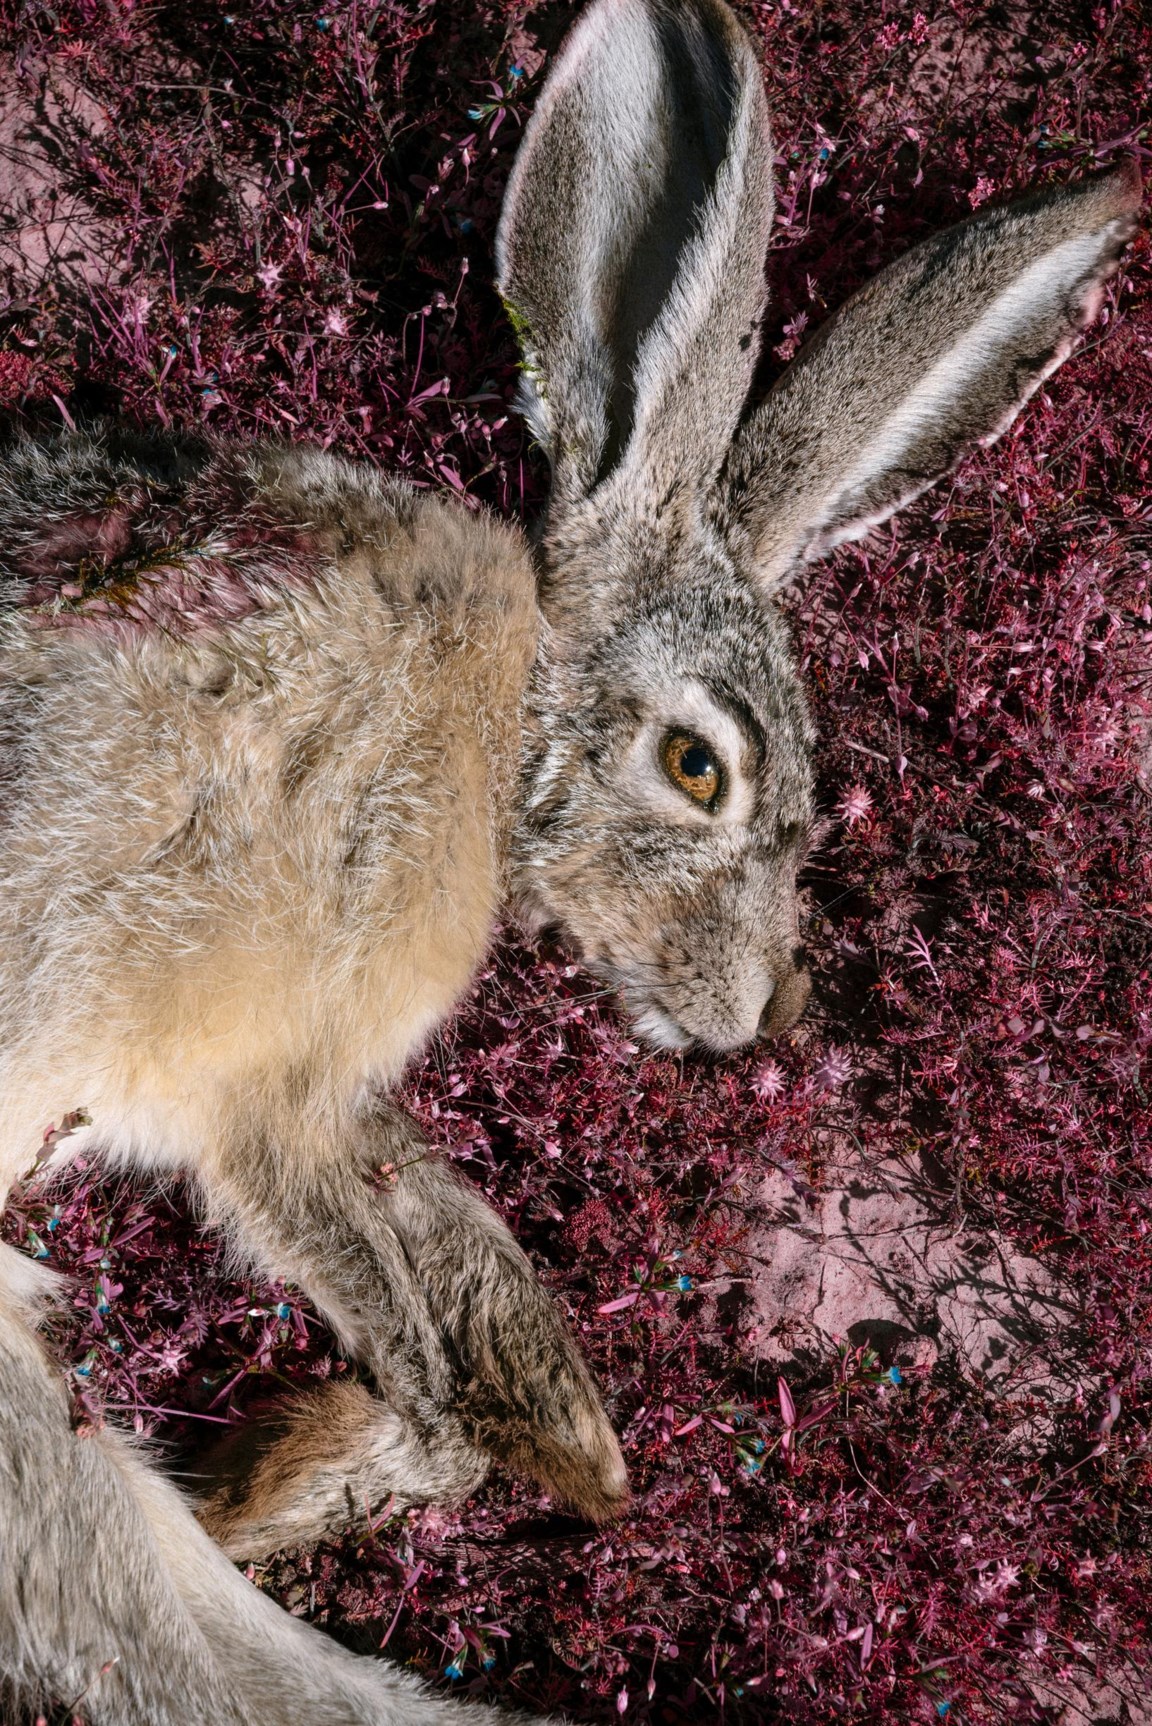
(266, 859)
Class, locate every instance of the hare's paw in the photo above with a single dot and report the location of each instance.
(325, 1463)
(530, 1399)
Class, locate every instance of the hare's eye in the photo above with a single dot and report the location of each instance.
(691, 765)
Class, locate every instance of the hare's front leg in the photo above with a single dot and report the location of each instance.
(524, 1391)
(427, 1289)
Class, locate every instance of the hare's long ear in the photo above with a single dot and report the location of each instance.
(631, 247)
(940, 352)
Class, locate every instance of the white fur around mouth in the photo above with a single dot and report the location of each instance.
(659, 1028)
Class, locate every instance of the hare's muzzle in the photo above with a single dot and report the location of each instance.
(677, 1003)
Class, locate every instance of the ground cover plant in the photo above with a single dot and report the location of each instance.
(279, 218)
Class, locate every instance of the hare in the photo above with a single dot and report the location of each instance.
(278, 736)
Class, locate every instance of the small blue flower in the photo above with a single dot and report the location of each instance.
(173, 350)
(824, 154)
(228, 18)
(943, 1708)
(684, 1284)
(758, 1446)
(753, 1465)
(321, 23)
(896, 1376)
(116, 1345)
(83, 1372)
(454, 1671)
(464, 223)
(488, 1662)
(283, 1310)
(515, 71)
(475, 113)
(102, 1306)
(53, 1224)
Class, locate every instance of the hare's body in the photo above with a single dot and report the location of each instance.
(277, 735)
(248, 856)
(258, 783)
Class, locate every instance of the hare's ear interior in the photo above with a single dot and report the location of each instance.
(631, 247)
(940, 352)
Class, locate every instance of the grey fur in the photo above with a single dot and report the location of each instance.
(277, 735)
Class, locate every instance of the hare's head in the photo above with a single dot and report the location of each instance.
(668, 787)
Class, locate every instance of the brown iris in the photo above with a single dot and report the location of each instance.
(691, 765)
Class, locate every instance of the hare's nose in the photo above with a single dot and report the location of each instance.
(787, 1000)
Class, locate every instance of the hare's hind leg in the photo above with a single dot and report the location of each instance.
(429, 1291)
(113, 1599)
(88, 1614)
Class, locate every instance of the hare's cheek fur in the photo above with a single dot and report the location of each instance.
(258, 861)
